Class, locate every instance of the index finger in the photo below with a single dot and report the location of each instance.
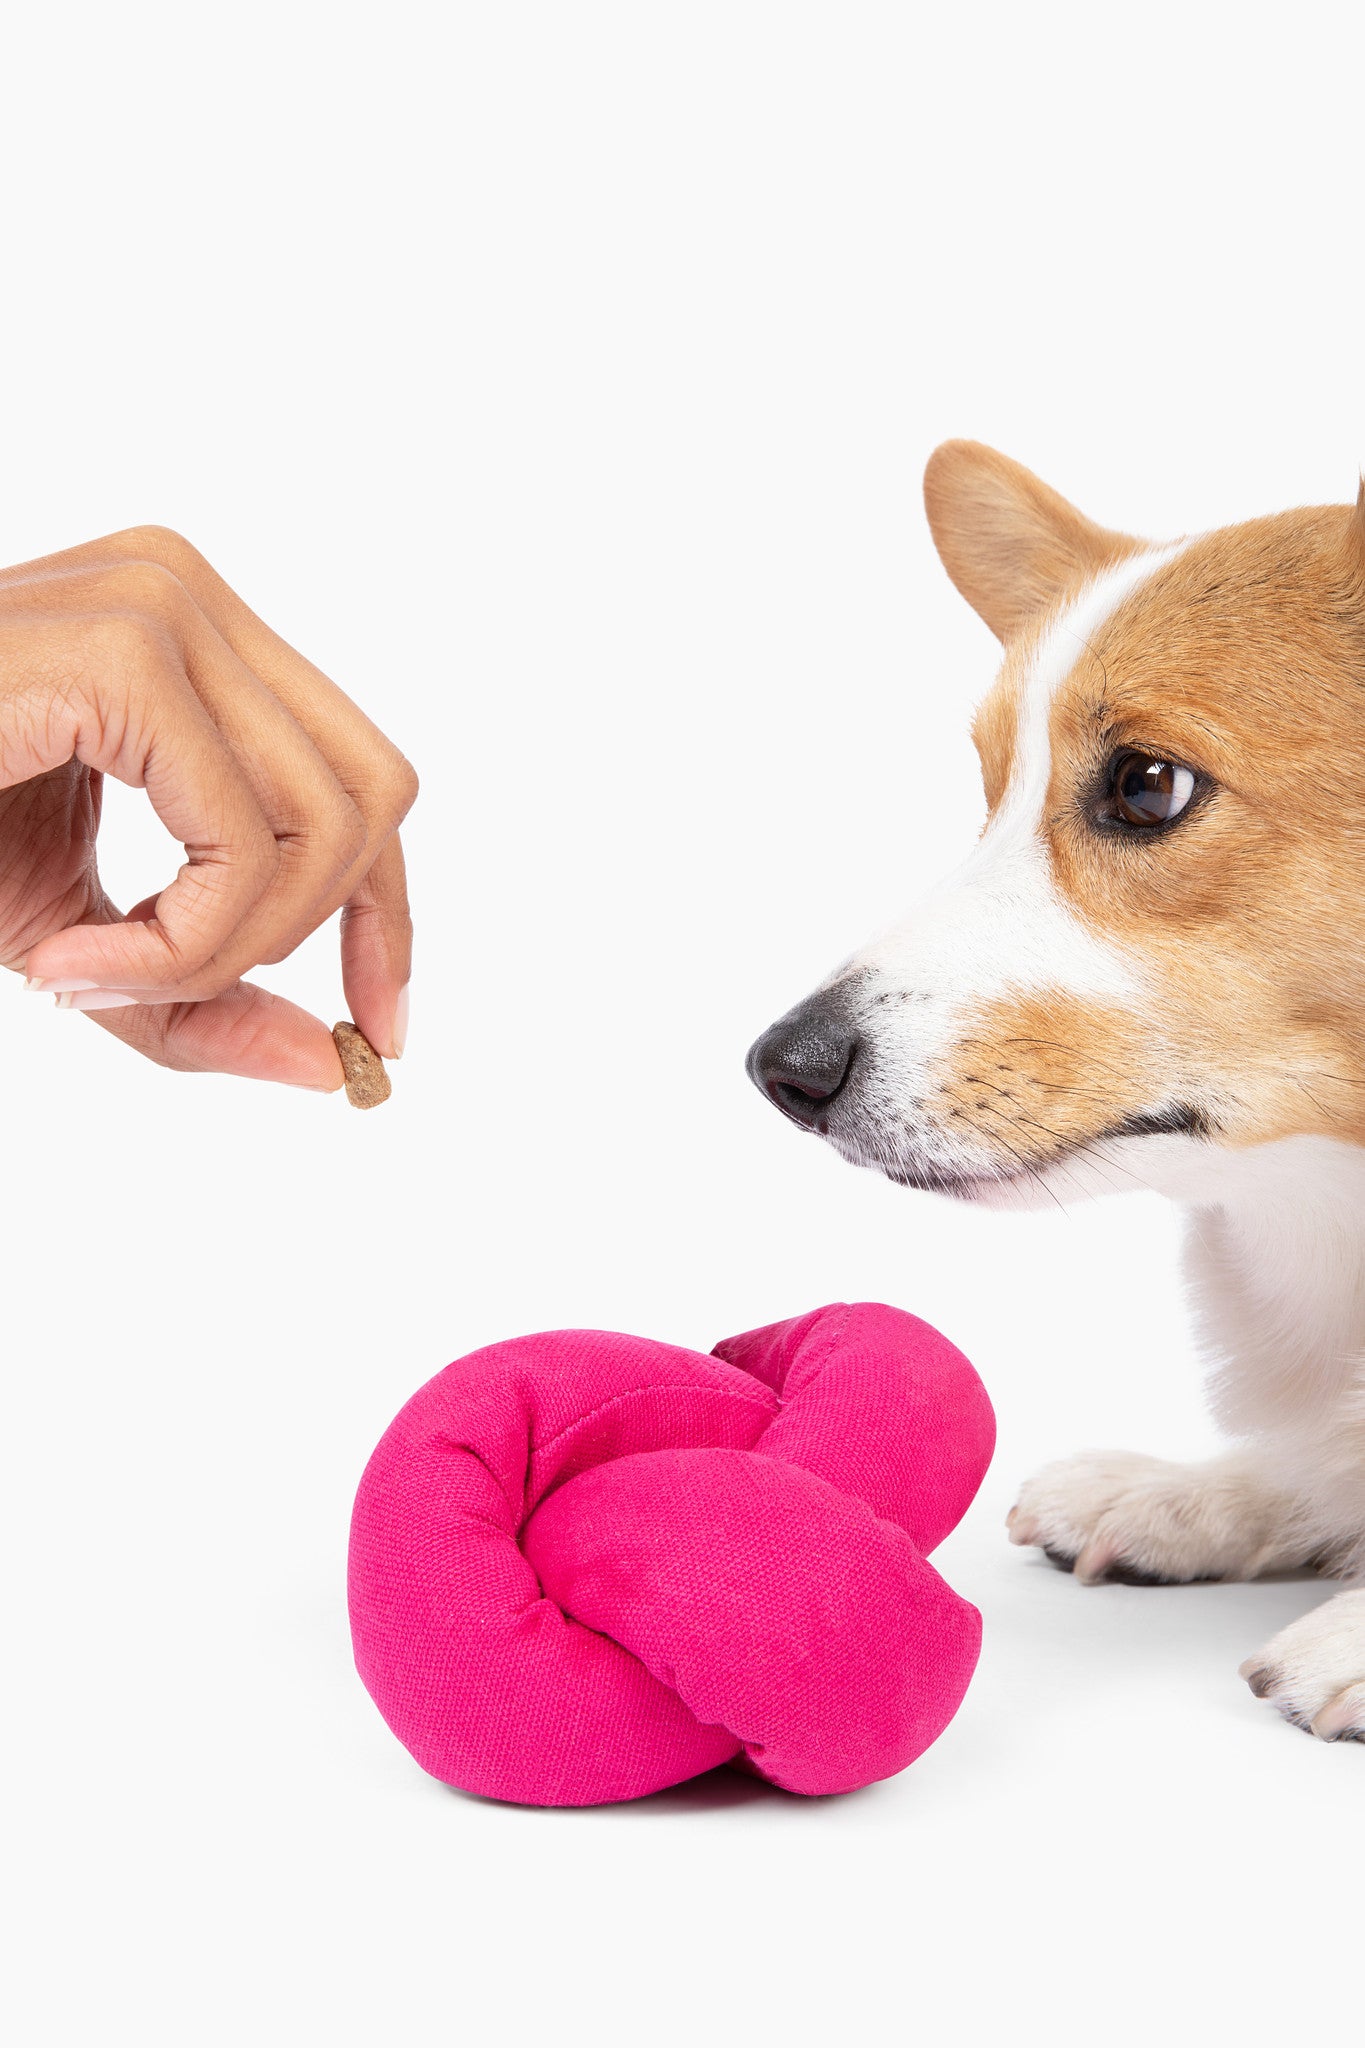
(376, 951)
(133, 714)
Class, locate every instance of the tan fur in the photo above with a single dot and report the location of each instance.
(1039, 1076)
(1086, 1005)
(1013, 546)
(1243, 658)
(993, 731)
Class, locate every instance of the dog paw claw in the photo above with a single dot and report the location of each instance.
(1313, 1672)
(1258, 1676)
(1113, 1517)
(1343, 1719)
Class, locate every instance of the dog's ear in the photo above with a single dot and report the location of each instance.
(1011, 545)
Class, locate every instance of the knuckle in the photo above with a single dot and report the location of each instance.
(149, 588)
(161, 545)
(244, 1028)
(395, 921)
(181, 1036)
(250, 862)
(397, 784)
(186, 962)
(200, 981)
(196, 967)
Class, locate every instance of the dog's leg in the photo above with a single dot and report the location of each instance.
(1314, 1670)
(1280, 1295)
(1118, 1515)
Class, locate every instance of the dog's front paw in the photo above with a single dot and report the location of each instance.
(1116, 1515)
(1314, 1670)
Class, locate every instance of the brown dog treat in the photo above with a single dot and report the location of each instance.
(366, 1081)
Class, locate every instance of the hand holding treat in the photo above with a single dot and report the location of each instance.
(131, 657)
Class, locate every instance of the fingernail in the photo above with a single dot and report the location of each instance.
(90, 998)
(57, 984)
(400, 1021)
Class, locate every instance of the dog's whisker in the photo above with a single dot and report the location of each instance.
(1090, 1147)
(1033, 1173)
(1035, 1169)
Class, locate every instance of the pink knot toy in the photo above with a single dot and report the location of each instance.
(584, 1566)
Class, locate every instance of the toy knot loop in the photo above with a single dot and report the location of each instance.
(585, 1566)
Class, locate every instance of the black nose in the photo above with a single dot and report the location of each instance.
(803, 1060)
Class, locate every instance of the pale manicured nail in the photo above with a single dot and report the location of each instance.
(95, 999)
(400, 1021)
(57, 984)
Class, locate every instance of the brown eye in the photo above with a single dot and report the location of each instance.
(1148, 791)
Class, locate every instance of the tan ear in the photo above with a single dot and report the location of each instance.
(1012, 546)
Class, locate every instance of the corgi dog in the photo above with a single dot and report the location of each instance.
(1153, 964)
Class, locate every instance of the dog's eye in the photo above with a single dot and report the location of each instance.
(1148, 791)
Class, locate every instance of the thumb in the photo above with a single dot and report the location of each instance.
(246, 1031)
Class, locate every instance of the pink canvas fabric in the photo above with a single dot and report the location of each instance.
(585, 1566)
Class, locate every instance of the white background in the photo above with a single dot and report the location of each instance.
(560, 378)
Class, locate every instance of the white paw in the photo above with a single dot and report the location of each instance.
(1143, 1521)
(1314, 1670)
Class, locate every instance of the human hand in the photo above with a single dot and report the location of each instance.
(131, 657)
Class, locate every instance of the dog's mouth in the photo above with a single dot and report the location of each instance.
(974, 1135)
(909, 1163)
(1178, 1117)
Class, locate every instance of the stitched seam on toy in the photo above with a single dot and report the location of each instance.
(657, 1387)
(836, 1337)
